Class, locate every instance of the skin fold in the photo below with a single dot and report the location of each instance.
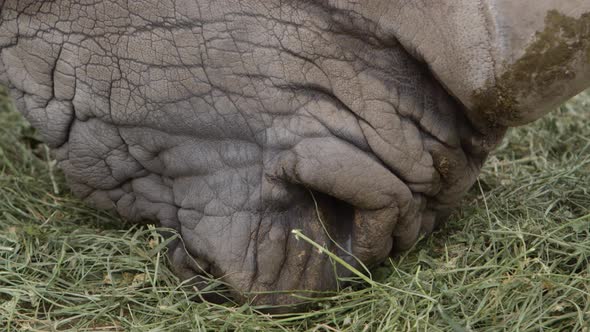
(360, 123)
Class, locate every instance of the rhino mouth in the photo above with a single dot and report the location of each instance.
(288, 274)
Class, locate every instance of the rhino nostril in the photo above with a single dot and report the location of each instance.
(337, 217)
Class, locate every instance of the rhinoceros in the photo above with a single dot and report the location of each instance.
(242, 123)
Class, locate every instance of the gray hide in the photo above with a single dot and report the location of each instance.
(230, 120)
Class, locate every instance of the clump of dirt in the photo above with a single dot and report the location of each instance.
(548, 60)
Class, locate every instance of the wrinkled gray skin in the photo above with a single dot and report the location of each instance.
(225, 119)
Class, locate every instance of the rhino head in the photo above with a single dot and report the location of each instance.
(358, 123)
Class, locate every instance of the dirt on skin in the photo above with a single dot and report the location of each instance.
(555, 49)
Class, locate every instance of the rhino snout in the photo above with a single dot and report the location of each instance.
(235, 124)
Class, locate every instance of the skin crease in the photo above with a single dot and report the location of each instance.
(229, 121)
